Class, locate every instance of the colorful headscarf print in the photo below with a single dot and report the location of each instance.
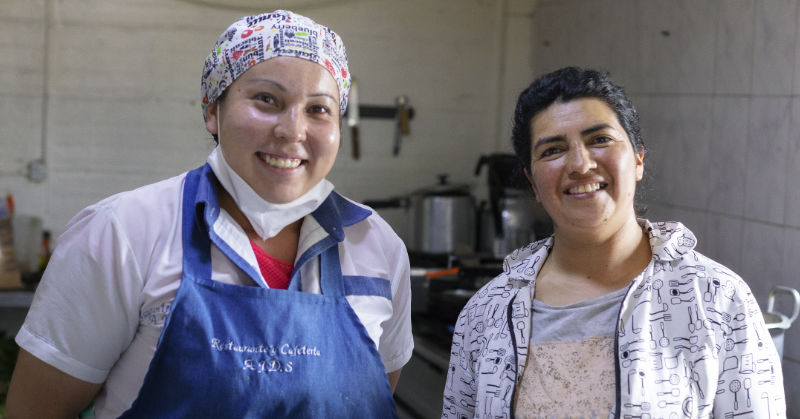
(253, 39)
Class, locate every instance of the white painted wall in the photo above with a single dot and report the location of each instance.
(106, 91)
(716, 83)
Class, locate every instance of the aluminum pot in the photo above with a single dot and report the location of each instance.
(778, 323)
(441, 218)
(517, 221)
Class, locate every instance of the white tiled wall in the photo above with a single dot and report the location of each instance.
(716, 84)
(111, 87)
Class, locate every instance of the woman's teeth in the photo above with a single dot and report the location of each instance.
(282, 163)
(584, 188)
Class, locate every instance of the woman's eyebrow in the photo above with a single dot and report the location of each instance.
(548, 140)
(587, 131)
(595, 128)
(272, 82)
(324, 95)
(283, 89)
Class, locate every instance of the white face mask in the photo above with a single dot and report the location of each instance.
(267, 219)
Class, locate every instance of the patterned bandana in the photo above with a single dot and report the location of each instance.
(253, 39)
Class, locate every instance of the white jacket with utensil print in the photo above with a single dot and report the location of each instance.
(691, 340)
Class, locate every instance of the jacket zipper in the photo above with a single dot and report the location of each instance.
(516, 355)
(617, 370)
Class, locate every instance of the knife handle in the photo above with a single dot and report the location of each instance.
(402, 115)
(356, 142)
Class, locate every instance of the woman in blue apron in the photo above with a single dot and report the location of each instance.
(244, 288)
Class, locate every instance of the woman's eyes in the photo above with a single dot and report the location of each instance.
(558, 149)
(265, 97)
(319, 109)
(271, 100)
(550, 151)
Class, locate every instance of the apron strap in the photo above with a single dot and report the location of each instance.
(331, 282)
(196, 243)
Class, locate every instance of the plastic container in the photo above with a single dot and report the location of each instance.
(10, 277)
(27, 241)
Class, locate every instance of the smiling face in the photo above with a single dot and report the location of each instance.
(279, 126)
(583, 166)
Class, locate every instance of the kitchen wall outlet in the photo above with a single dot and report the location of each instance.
(37, 170)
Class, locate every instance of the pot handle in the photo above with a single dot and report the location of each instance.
(483, 160)
(778, 289)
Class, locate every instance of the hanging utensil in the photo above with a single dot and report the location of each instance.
(402, 126)
(353, 119)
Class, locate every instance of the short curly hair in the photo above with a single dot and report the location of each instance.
(563, 85)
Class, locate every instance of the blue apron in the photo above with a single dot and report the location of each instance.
(230, 351)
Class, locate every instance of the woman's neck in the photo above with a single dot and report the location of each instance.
(580, 267)
(592, 256)
(282, 246)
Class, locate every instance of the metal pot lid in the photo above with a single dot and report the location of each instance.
(443, 188)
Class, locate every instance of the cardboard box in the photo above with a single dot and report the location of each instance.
(10, 278)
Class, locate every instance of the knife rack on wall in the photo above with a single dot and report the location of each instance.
(380, 111)
(401, 113)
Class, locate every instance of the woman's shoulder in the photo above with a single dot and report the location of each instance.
(674, 247)
(151, 197)
(368, 223)
(519, 270)
(669, 240)
(131, 214)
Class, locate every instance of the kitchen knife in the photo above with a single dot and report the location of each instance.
(352, 119)
(401, 122)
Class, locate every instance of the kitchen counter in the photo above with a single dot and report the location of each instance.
(421, 387)
(16, 299)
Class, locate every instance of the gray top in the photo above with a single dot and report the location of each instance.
(593, 317)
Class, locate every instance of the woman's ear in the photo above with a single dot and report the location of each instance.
(211, 118)
(639, 163)
(533, 185)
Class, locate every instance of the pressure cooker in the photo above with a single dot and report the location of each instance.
(441, 217)
(510, 218)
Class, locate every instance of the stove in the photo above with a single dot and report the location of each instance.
(438, 295)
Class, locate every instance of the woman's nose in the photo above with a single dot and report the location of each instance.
(579, 160)
(291, 125)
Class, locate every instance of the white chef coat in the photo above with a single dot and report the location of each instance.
(102, 303)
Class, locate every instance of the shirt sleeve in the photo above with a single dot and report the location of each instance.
(397, 342)
(86, 308)
(750, 375)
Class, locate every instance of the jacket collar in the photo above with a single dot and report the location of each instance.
(206, 199)
(332, 215)
(522, 265)
(669, 241)
(337, 212)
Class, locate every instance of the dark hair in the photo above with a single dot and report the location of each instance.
(563, 85)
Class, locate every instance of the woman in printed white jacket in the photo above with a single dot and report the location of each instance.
(612, 316)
